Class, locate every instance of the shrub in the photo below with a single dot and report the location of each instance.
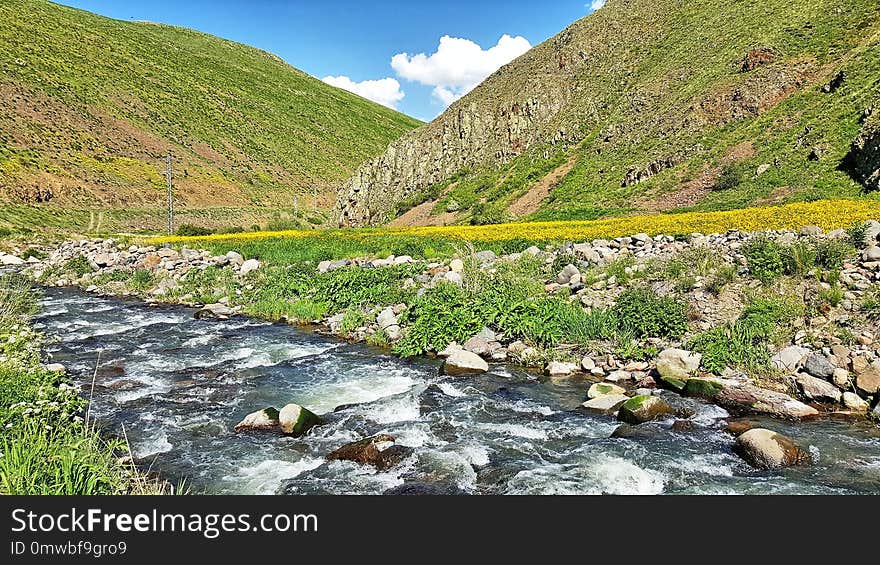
(800, 258)
(723, 276)
(353, 319)
(743, 343)
(832, 295)
(79, 266)
(764, 258)
(190, 230)
(442, 315)
(483, 214)
(832, 253)
(858, 234)
(731, 177)
(871, 304)
(645, 314)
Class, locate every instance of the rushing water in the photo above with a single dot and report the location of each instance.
(178, 386)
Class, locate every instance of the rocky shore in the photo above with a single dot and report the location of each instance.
(830, 366)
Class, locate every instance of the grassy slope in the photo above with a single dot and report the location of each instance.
(89, 106)
(654, 65)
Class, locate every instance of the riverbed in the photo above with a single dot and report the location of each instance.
(176, 386)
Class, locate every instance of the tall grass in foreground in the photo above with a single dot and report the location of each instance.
(47, 447)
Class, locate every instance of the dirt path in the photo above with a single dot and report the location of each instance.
(421, 216)
(531, 200)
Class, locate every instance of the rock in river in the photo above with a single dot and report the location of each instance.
(640, 409)
(767, 449)
(378, 450)
(606, 403)
(265, 419)
(296, 420)
(463, 362)
(602, 389)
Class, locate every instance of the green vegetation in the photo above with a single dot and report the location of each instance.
(645, 314)
(768, 259)
(47, 447)
(245, 127)
(743, 344)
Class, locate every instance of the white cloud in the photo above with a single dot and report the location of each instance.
(596, 4)
(384, 91)
(458, 65)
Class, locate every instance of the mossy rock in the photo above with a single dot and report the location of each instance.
(643, 408)
(296, 420)
(702, 388)
(265, 419)
(673, 383)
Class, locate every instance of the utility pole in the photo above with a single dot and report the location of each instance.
(296, 206)
(170, 196)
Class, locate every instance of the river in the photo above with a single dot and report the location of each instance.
(178, 385)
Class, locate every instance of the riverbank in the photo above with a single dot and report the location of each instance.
(782, 322)
(49, 444)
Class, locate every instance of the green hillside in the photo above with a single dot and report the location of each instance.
(649, 105)
(90, 105)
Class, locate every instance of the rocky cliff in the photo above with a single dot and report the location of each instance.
(643, 105)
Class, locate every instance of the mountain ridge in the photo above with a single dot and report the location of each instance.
(90, 105)
(664, 104)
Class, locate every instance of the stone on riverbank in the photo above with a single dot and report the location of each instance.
(868, 380)
(641, 409)
(249, 266)
(461, 362)
(676, 366)
(216, 311)
(296, 420)
(817, 389)
(767, 449)
(261, 420)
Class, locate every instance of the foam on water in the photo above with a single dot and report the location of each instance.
(182, 384)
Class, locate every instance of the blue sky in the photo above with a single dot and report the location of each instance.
(349, 42)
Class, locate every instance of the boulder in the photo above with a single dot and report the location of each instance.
(55, 368)
(376, 451)
(560, 368)
(603, 389)
(854, 402)
(868, 380)
(567, 273)
(10, 260)
(249, 266)
(739, 427)
(617, 376)
(478, 344)
(449, 350)
(485, 257)
(872, 231)
(841, 378)
(216, 311)
(789, 359)
(815, 388)
(151, 261)
(749, 398)
(700, 387)
(818, 366)
(296, 420)
(456, 265)
(606, 403)
(462, 362)
(675, 366)
(871, 253)
(386, 318)
(640, 409)
(453, 277)
(235, 258)
(588, 364)
(767, 449)
(262, 420)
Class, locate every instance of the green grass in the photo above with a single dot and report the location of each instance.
(236, 117)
